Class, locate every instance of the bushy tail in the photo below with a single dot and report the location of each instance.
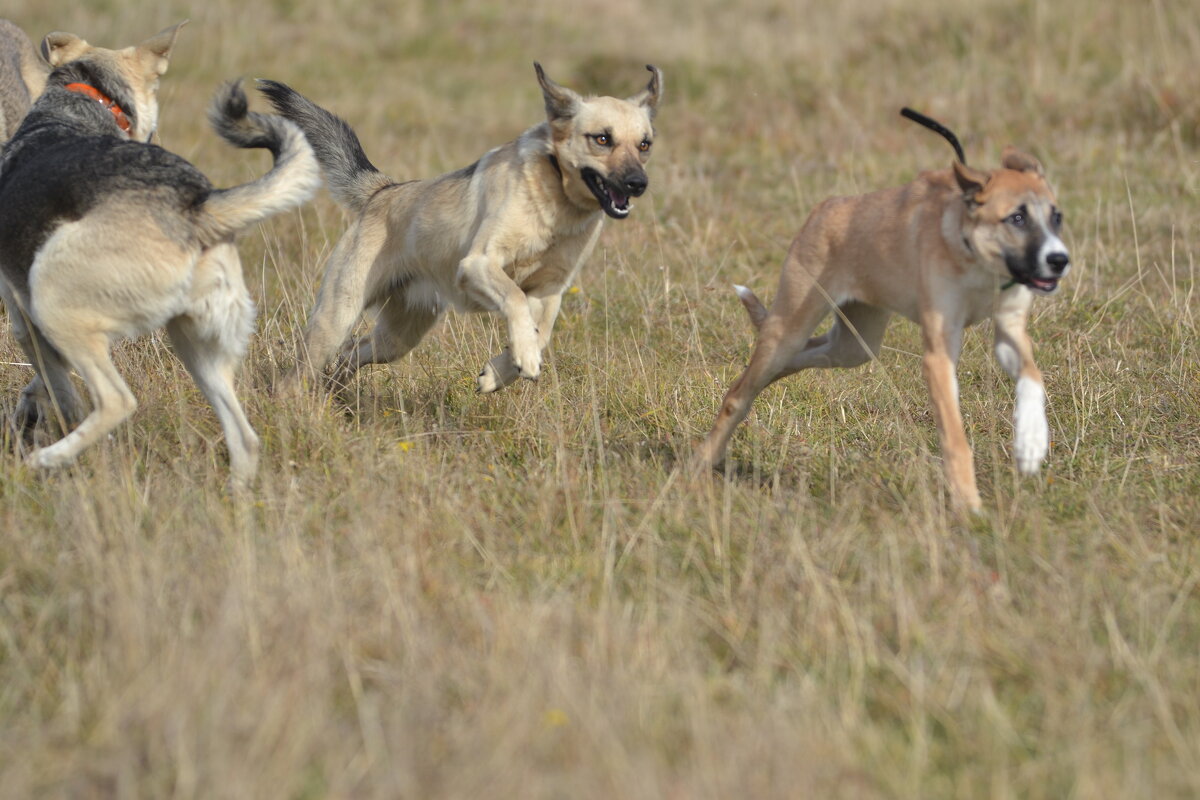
(351, 177)
(293, 180)
(754, 306)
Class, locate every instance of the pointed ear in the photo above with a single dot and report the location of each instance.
(58, 48)
(649, 96)
(971, 181)
(155, 51)
(561, 102)
(1012, 158)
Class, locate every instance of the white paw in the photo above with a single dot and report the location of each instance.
(488, 380)
(528, 360)
(1031, 432)
(51, 457)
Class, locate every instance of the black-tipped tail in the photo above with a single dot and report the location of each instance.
(936, 127)
(294, 178)
(351, 177)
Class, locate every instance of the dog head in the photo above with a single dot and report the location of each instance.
(601, 144)
(1012, 221)
(128, 77)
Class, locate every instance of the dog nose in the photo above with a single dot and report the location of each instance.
(1058, 262)
(636, 183)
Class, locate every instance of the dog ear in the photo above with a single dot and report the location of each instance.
(155, 51)
(971, 181)
(561, 102)
(58, 48)
(1012, 158)
(649, 96)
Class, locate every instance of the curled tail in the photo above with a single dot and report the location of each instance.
(351, 177)
(754, 306)
(294, 178)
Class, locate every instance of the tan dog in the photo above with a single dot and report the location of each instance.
(105, 237)
(946, 251)
(509, 233)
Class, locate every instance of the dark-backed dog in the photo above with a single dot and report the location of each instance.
(105, 237)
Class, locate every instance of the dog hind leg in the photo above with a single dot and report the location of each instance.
(782, 337)
(111, 399)
(398, 329)
(50, 395)
(854, 339)
(212, 365)
(340, 302)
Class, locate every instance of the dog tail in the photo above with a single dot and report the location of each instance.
(293, 180)
(936, 127)
(754, 306)
(351, 177)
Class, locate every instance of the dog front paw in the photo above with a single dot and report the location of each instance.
(528, 362)
(488, 380)
(496, 374)
(1031, 431)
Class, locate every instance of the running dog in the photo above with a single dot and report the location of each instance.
(22, 77)
(946, 250)
(508, 233)
(105, 237)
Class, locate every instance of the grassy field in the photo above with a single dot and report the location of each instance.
(438, 594)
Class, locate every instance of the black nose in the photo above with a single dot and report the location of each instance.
(1058, 262)
(636, 183)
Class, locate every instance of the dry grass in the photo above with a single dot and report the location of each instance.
(446, 595)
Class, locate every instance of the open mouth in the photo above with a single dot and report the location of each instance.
(1043, 285)
(615, 203)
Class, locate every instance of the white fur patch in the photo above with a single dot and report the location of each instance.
(1053, 245)
(1031, 431)
(1009, 358)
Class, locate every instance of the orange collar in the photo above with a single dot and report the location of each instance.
(104, 100)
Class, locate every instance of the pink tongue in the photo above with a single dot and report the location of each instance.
(618, 200)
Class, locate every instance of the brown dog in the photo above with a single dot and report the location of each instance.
(946, 251)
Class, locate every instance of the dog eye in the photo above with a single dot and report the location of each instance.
(1016, 219)
(602, 139)
(1056, 219)
(644, 145)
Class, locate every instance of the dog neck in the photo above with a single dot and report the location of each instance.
(100, 97)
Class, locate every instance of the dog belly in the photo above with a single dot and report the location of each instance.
(424, 293)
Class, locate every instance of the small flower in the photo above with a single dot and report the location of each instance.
(555, 718)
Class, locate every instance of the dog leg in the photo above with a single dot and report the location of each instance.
(841, 345)
(340, 302)
(500, 370)
(112, 401)
(482, 277)
(212, 366)
(943, 340)
(782, 337)
(1014, 351)
(398, 329)
(50, 395)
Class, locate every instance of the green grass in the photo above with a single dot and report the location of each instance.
(437, 594)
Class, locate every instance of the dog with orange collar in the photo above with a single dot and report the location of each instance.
(79, 169)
